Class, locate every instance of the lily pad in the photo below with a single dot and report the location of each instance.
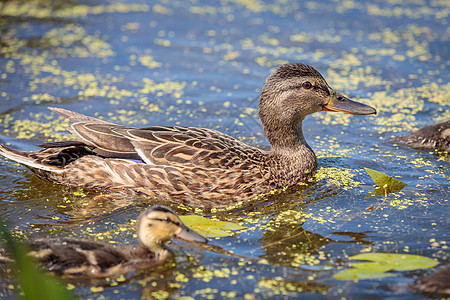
(208, 227)
(381, 263)
(398, 262)
(385, 181)
(374, 267)
(359, 274)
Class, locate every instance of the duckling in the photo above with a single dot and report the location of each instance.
(198, 167)
(70, 257)
(435, 136)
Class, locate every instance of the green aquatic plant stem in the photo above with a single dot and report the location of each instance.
(35, 285)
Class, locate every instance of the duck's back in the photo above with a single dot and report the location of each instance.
(435, 136)
(72, 257)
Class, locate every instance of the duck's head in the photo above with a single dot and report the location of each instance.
(159, 224)
(294, 91)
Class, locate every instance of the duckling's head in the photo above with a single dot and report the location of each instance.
(294, 91)
(159, 224)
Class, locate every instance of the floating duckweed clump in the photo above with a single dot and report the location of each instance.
(67, 41)
(301, 259)
(53, 130)
(39, 11)
(413, 12)
(352, 78)
(436, 93)
(398, 110)
(106, 92)
(341, 177)
(167, 87)
(279, 286)
(110, 234)
(149, 62)
(293, 217)
(401, 203)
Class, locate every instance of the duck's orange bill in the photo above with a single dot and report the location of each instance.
(190, 235)
(343, 104)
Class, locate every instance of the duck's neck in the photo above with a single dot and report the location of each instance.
(290, 153)
(158, 250)
(287, 139)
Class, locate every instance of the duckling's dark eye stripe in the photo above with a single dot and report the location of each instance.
(166, 220)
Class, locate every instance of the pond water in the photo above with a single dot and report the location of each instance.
(203, 63)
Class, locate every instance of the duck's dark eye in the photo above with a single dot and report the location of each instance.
(166, 219)
(307, 85)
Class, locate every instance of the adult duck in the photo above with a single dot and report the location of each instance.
(71, 257)
(196, 166)
(435, 284)
(436, 136)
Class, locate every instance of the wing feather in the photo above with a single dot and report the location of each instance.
(162, 145)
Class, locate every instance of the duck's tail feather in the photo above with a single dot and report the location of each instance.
(76, 117)
(24, 158)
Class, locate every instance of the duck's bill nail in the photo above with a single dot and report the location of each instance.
(190, 235)
(343, 104)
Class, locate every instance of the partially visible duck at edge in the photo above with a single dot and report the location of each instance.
(435, 284)
(196, 166)
(70, 257)
(435, 136)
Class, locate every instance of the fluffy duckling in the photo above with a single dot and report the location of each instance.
(70, 257)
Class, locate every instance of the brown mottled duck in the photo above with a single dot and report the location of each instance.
(196, 166)
(436, 136)
(435, 283)
(71, 257)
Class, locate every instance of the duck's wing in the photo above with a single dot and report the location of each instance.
(162, 145)
(190, 146)
(98, 134)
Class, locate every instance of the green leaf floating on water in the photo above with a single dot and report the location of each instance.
(208, 227)
(400, 262)
(385, 181)
(381, 263)
(360, 274)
